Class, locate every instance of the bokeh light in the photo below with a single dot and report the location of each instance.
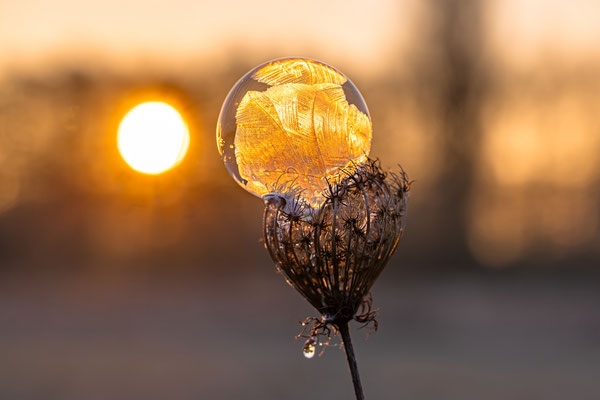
(153, 137)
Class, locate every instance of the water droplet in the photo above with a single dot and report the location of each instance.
(309, 347)
(309, 350)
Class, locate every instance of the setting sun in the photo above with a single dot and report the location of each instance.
(153, 137)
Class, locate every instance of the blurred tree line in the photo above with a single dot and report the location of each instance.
(500, 179)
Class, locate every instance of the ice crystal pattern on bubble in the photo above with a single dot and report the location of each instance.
(299, 128)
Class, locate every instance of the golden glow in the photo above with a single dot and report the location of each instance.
(298, 70)
(302, 130)
(538, 164)
(153, 137)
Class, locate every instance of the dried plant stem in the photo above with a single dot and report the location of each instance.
(345, 332)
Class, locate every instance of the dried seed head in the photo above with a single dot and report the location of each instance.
(333, 254)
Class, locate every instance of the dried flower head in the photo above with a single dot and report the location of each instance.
(333, 254)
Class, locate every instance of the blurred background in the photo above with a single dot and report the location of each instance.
(116, 284)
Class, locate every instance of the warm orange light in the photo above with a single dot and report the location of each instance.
(153, 137)
(292, 125)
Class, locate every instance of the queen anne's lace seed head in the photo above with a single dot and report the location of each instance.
(333, 254)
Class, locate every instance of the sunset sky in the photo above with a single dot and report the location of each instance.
(138, 30)
(133, 265)
(538, 124)
(167, 33)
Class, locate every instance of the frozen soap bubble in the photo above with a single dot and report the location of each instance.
(290, 126)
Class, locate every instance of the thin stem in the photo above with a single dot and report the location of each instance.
(345, 332)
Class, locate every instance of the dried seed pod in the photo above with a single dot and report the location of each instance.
(333, 254)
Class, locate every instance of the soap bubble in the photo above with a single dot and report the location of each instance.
(293, 125)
